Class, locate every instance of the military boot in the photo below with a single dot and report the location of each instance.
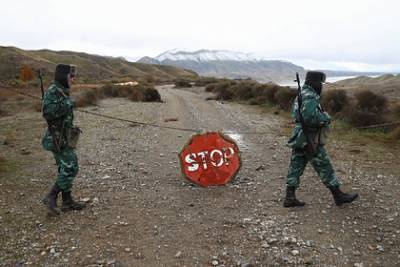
(50, 200)
(69, 204)
(340, 197)
(290, 200)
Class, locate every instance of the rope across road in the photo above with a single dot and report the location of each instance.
(172, 127)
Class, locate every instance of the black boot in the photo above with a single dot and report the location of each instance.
(69, 204)
(50, 200)
(290, 200)
(340, 197)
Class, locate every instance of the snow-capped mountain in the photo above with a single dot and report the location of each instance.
(227, 64)
(205, 55)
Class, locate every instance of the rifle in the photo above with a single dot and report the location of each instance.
(311, 148)
(41, 82)
(51, 129)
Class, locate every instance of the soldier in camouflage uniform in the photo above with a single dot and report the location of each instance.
(317, 122)
(58, 112)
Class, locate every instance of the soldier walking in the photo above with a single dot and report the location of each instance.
(307, 143)
(61, 137)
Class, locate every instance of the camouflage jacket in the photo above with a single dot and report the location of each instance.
(313, 115)
(58, 112)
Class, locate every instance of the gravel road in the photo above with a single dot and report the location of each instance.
(142, 212)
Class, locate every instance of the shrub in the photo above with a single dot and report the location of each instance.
(368, 109)
(109, 90)
(210, 87)
(87, 98)
(334, 101)
(125, 90)
(244, 90)
(136, 95)
(222, 90)
(371, 102)
(204, 81)
(224, 94)
(270, 92)
(180, 83)
(284, 98)
(151, 95)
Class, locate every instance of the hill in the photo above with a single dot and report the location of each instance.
(388, 85)
(91, 68)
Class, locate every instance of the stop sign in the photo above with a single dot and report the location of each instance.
(210, 159)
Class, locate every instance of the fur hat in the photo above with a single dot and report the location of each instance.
(315, 76)
(61, 73)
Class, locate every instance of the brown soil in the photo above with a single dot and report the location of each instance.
(143, 213)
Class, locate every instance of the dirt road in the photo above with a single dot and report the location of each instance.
(143, 213)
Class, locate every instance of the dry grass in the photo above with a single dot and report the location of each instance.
(395, 134)
(3, 113)
(10, 138)
(396, 111)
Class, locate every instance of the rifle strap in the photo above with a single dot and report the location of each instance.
(61, 92)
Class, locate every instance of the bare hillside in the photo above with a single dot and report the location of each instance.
(388, 85)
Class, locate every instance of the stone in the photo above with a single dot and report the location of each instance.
(265, 245)
(215, 262)
(178, 254)
(85, 199)
(308, 261)
(295, 252)
(272, 240)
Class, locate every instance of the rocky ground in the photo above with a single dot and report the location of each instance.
(142, 212)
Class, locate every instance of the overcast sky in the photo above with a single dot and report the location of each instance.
(359, 35)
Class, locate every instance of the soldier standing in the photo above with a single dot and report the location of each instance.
(61, 138)
(308, 144)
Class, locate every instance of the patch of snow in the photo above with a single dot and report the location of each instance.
(205, 55)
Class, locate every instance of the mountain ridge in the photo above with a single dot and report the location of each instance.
(227, 64)
(91, 68)
(231, 64)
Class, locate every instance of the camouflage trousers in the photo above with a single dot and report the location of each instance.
(67, 163)
(320, 162)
